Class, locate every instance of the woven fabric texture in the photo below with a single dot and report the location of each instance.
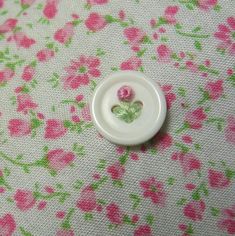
(58, 176)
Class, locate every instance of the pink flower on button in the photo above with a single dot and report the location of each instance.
(125, 94)
(127, 110)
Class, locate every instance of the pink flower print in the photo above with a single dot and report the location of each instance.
(50, 9)
(163, 53)
(169, 95)
(170, 13)
(195, 210)
(87, 200)
(24, 199)
(65, 232)
(6, 74)
(45, 55)
(163, 141)
(95, 22)
(1, 3)
(134, 35)
(79, 98)
(28, 73)
(86, 115)
(97, 2)
(227, 222)
(80, 71)
(58, 159)
(215, 89)
(133, 63)
(19, 127)
(42, 205)
(191, 66)
(226, 34)
(116, 171)
(187, 139)
(7, 225)
(27, 2)
(22, 40)
(143, 230)
(64, 34)
(114, 214)
(122, 15)
(217, 179)
(8, 25)
(54, 129)
(207, 4)
(195, 118)
(230, 130)
(189, 162)
(155, 190)
(25, 103)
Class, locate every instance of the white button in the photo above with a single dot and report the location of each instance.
(128, 108)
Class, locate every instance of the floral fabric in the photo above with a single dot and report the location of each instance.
(58, 176)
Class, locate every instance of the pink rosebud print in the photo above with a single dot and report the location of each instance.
(1, 3)
(170, 13)
(65, 232)
(154, 190)
(133, 63)
(227, 221)
(28, 73)
(86, 115)
(6, 74)
(80, 71)
(8, 25)
(24, 199)
(195, 210)
(54, 129)
(95, 22)
(87, 200)
(143, 230)
(134, 35)
(230, 130)
(59, 159)
(19, 127)
(215, 89)
(79, 98)
(50, 9)
(97, 2)
(189, 162)
(116, 171)
(64, 34)
(7, 225)
(207, 4)
(27, 2)
(163, 141)
(25, 103)
(195, 118)
(22, 40)
(114, 214)
(217, 179)
(125, 93)
(163, 53)
(42, 205)
(45, 55)
(225, 34)
(169, 95)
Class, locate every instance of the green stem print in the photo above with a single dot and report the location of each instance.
(66, 223)
(43, 163)
(193, 35)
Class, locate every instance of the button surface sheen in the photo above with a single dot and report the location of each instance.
(128, 108)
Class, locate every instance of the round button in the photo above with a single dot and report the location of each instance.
(128, 108)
